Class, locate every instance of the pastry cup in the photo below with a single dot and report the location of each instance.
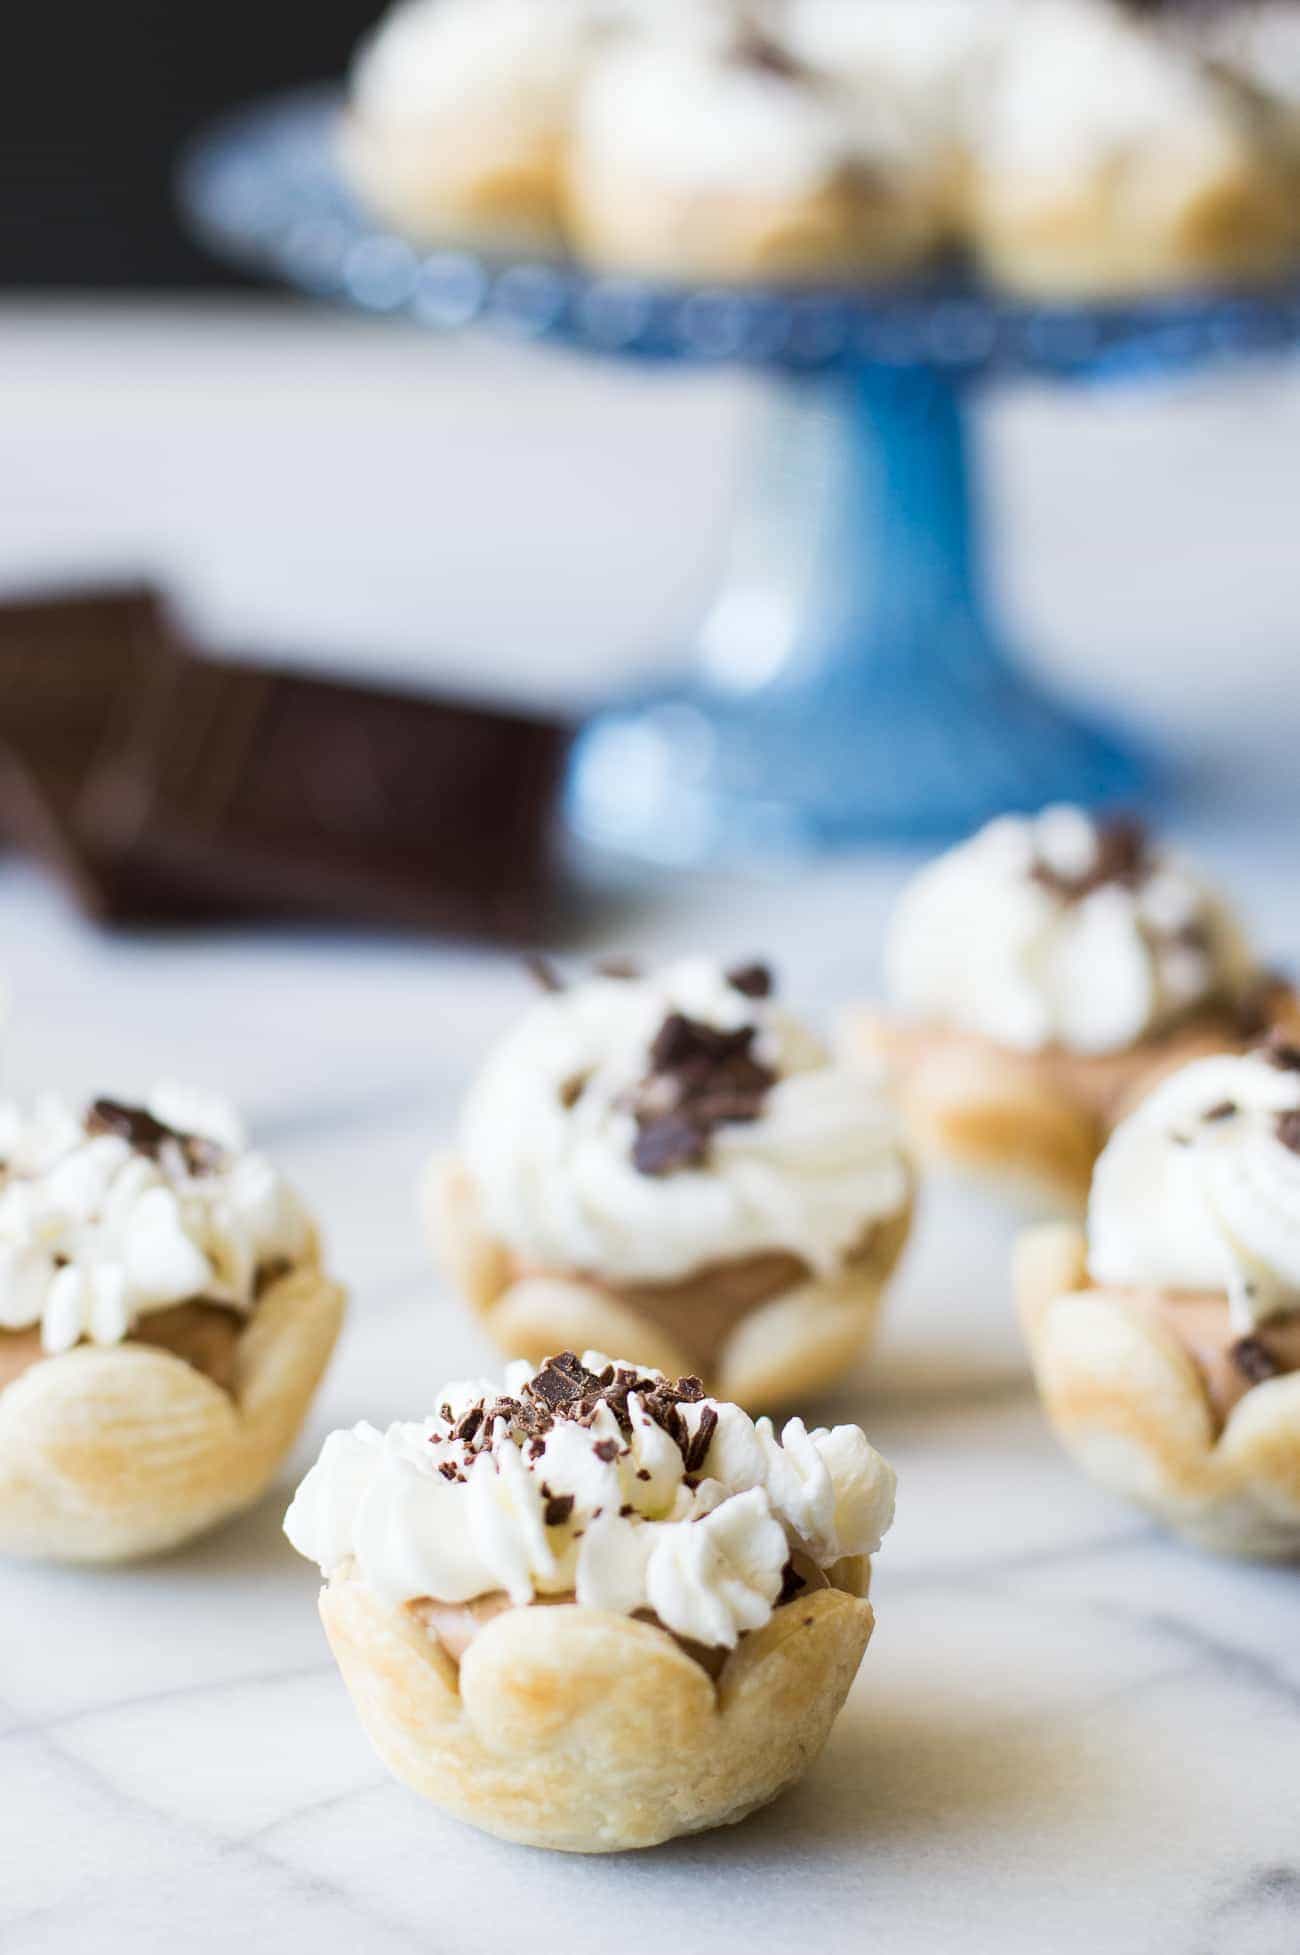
(472, 184)
(587, 1732)
(852, 227)
(1107, 237)
(799, 1334)
(108, 1453)
(1127, 1400)
(1032, 1123)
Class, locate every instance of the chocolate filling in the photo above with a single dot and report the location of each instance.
(1100, 1084)
(1229, 1365)
(454, 1625)
(206, 1335)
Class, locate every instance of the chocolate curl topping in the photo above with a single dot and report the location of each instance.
(149, 1136)
(1254, 1360)
(564, 1391)
(543, 973)
(1122, 856)
(752, 980)
(753, 45)
(700, 1079)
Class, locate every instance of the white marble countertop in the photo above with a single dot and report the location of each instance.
(1069, 1734)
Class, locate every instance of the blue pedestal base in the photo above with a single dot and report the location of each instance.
(852, 686)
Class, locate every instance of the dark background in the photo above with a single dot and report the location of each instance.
(97, 96)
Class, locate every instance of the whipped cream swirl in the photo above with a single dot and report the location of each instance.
(549, 1135)
(1059, 930)
(596, 1480)
(691, 113)
(469, 59)
(1083, 88)
(128, 1210)
(1199, 1189)
(932, 57)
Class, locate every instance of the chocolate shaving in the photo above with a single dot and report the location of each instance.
(752, 980)
(753, 47)
(697, 1450)
(606, 1450)
(1287, 1128)
(1221, 1110)
(1280, 1052)
(149, 1136)
(543, 973)
(1254, 1360)
(470, 1424)
(668, 1143)
(558, 1507)
(625, 969)
(700, 1078)
(562, 1380)
(1122, 856)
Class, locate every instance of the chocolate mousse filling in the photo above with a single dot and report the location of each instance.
(1102, 1084)
(456, 1624)
(1229, 1364)
(204, 1334)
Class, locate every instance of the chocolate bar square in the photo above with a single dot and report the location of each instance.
(277, 794)
(71, 671)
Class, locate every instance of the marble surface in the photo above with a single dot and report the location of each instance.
(1069, 1734)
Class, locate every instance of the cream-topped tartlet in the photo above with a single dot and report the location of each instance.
(1043, 974)
(1166, 1343)
(164, 1321)
(596, 1609)
(720, 155)
(1108, 157)
(669, 1163)
(458, 116)
(933, 60)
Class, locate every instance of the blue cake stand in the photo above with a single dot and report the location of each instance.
(852, 680)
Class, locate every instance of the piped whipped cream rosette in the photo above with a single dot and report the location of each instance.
(458, 116)
(668, 1162)
(721, 154)
(1109, 157)
(595, 1608)
(163, 1322)
(1167, 1342)
(1040, 976)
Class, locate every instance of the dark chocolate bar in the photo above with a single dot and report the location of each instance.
(71, 672)
(282, 795)
(167, 787)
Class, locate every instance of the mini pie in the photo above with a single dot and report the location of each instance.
(1041, 977)
(597, 1610)
(164, 1322)
(722, 157)
(1166, 1342)
(934, 60)
(1110, 158)
(668, 1164)
(458, 117)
